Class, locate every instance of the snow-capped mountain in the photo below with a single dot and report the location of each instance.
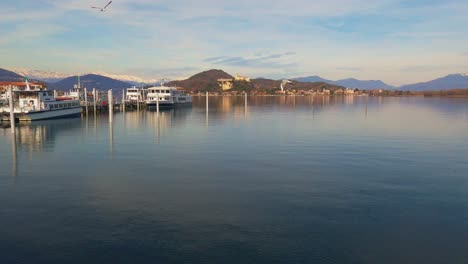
(47, 76)
(130, 78)
(53, 76)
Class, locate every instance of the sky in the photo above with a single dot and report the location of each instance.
(396, 41)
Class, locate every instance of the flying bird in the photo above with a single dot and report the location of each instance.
(102, 9)
(283, 84)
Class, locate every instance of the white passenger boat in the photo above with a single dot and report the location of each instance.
(134, 95)
(167, 97)
(34, 103)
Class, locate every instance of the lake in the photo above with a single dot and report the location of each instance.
(276, 180)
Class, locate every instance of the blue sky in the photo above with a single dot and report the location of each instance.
(395, 41)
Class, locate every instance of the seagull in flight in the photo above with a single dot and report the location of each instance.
(102, 9)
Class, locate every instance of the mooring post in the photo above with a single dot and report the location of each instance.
(86, 100)
(94, 99)
(157, 104)
(111, 106)
(123, 100)
(12, 112)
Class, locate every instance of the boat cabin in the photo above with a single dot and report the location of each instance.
(161, 93)
(134, 94)
(40, 100)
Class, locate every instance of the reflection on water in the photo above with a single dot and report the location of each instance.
(14, 157)
(241, 179)
(39, 137)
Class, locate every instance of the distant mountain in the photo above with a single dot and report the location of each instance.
(312, 79)
(135, 80)
(52, 76)
(204, 81)
(45, 76)
(90, 81)
(9, 76)
(363, 85)
(453, 81)
(348, 83)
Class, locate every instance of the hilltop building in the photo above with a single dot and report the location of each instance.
(228, 84)
(240, 78)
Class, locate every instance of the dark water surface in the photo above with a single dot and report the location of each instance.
(283, 180)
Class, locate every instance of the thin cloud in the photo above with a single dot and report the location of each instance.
(354, 69)
(172, 73)
(266, 61)
(27, 32)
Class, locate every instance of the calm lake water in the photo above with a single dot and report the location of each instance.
(283, 180)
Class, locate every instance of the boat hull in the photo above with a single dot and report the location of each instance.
(161, 104)
(45, 115)
(167, 104)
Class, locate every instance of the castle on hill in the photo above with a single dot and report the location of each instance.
(227, 84)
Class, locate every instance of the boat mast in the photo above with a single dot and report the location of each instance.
(27, 83)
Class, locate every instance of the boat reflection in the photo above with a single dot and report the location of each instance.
(40, 136)
(35, 137)
(14, 157)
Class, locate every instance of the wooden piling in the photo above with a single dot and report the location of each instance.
(123, 100)
(157, 104)
(86, 100)
(111, 105)
(94, 99)
(12, 112)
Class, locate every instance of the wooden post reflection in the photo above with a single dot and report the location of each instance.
(245, 106)
(159, 129)
(206, 117)
(14, 156)
(111, 139)
(367, 99)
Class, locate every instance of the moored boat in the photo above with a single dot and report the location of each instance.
(134, 95)
(38, 103)
(167, 97)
